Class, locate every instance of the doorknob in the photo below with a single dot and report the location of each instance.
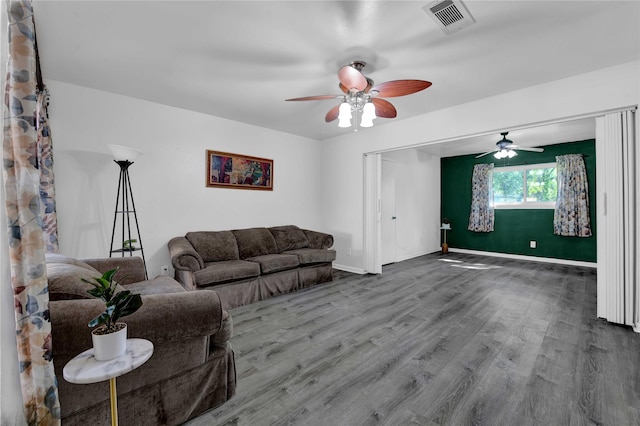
(393, 217)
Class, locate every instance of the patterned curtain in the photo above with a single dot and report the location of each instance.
(45, 163)
(481, 216)
(571, 216)
(24, 221)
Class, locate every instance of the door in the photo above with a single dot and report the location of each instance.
(388, 212)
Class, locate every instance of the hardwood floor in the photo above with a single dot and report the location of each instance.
(436, 340)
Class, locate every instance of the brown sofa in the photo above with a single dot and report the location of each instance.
(247, 265)
(192, 368)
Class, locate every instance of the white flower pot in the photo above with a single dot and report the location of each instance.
(109, 346)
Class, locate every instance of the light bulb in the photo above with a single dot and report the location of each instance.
(344, 112)
(344, 122)
(511, 153)
(369, 111)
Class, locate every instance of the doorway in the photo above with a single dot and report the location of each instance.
(388, 212)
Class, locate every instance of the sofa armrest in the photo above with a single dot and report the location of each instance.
(319, 240)
(183, 256)
(161, 318)
(131, 268)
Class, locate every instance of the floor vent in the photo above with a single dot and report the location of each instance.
(449, 15)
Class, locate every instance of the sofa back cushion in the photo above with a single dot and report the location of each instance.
(214, 246)
(255, 242)
(65, 275)
(289, 237)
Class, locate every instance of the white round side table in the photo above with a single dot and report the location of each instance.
(84, 368)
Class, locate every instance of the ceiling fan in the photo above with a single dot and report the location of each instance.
(362, 97)
(506, 148)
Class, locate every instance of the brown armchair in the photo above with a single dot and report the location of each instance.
(192, 368)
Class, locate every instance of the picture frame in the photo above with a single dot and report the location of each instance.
(238, 171)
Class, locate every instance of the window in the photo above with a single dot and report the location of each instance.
(531, 186)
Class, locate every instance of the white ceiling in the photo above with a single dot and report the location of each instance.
(240, 59)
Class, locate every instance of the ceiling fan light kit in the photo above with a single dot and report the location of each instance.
(504, 153)
(361, 96)
(506, 148)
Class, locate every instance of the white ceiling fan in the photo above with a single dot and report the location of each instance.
(506, 148)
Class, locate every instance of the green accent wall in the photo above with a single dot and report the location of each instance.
(513, 229)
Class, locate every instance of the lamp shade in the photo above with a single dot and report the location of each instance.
(344, 112)
(124, 153)
(368, 114)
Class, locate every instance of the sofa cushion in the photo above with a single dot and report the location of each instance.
(318, 240)
(307, 255)
(227, 270)
(255, 242)
(162, 284)
(214, 246)
(289, 237)
(270, 263)
(65, 275)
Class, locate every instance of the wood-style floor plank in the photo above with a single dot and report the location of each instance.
(436, 340)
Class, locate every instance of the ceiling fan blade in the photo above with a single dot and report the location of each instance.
(384, 108)
(332, 114)
(486, 153)
(524, 148)
(315, 98)
(351, 78)
(394, 88)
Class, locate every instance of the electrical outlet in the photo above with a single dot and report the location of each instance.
(532, 244)
(164, 270)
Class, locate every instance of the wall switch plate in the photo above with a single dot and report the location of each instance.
(164, 270)
(532, 244)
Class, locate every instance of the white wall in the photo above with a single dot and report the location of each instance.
(343, 156)
(168, 180)
(417, 182)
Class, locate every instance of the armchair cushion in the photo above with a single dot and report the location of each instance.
(214, 246)
(65, 277)
(162, 284)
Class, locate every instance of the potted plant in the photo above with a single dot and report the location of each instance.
(110, 337)
(446, 225)
(127, 245)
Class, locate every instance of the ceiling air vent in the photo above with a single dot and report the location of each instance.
(449, 15)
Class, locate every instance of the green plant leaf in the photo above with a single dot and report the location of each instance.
(95, 292)
(125, 304)
(117, 304)
(103, 318)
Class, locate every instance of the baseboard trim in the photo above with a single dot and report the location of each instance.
(523, 257)
(413, 255)
(349, 269)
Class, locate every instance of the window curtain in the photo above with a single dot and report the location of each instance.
(22, 177)
(481, 216)
(571, 216)
(45, 164)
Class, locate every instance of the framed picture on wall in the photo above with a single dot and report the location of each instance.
(237, 171)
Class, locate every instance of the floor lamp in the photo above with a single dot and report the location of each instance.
(125, 206)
